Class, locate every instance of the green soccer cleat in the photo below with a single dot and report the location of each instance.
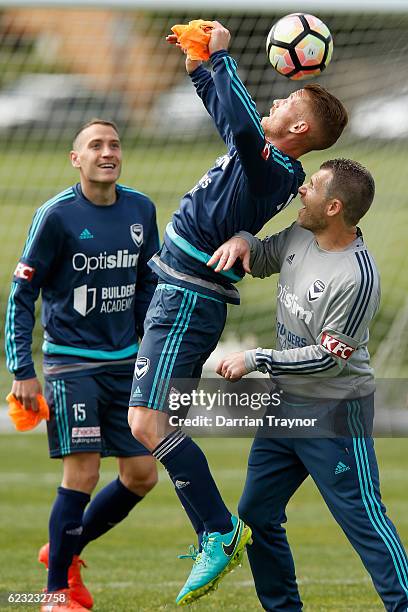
(220, 554)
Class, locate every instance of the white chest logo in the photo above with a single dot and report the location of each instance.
(136, 232)
(316, 289)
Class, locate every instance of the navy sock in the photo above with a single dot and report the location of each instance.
(195, 520)
(108, 508)
(65, 529)
(188, 468)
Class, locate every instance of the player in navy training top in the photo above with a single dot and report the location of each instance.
(256, 178)
(87, 252)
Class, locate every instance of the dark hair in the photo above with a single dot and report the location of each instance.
(353, 185)
(330, 114)
(94, 121)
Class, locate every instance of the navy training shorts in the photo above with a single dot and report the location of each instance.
(88, 413)
(182, 328)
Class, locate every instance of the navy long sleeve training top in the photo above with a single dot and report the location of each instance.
(90, 264)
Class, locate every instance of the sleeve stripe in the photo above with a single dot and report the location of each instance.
(370, 272)
(287, 166)
(257, 125)
(249, 104)
(293, 363)
(11, 348)
(309, 366)
(364, 294)
(355, 308)
(130, 190)
(279, 153)
(41, 213)
(281, 159)
(306, 371)
(241, 86)
(253, 114)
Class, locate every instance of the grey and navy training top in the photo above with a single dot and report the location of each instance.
(246, 187)
(325, 302)
(90, 264)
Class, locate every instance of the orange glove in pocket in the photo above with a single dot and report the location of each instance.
(194, 38)
(23, 419)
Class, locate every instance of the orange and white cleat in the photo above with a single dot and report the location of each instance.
(77, 589)
(61, 601)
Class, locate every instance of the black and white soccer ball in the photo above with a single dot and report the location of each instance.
(299, 46)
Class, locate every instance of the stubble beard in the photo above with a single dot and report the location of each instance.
(313, 223)
(273, 130)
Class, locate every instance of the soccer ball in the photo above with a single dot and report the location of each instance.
(299, 46)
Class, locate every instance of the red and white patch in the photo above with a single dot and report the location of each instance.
(266, 151)
(24, 271)
(336, 347)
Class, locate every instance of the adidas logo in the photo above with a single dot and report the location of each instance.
(180, 484)
(77, 531)
(137, 392)
(85, 234)
(174, 393)
(290, 258)
(341, 467)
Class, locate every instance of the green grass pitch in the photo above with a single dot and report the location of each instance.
(134, 568)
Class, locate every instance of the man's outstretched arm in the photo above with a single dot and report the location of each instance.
(205, 88)
(342, 333)
(42, 246)
(265, 167)
(260, 258)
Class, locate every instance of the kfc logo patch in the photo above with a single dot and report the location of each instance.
(24, 271)
(266, 151)
(336, 347)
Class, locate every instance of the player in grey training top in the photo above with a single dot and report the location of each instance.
(328, 292)
(325, 301)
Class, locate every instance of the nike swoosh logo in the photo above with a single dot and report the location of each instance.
(229, 548)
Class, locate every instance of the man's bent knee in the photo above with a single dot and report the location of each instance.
(148, 426)
(245, 512)
(143, 487)
(250, 512)
(140, 485)
(138, 474)
(259, 516)
(81, 472)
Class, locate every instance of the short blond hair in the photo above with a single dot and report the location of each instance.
(330, 114)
